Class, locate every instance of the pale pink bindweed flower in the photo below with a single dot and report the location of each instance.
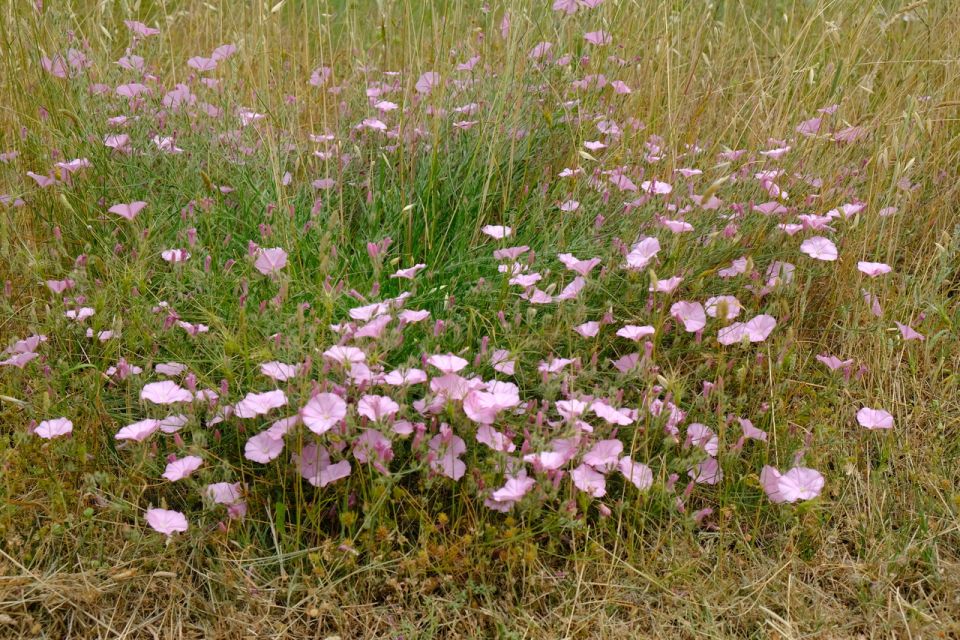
(166, 521)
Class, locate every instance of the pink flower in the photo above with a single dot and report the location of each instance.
(636, 472)
(909, 333)
(316, 468)
(635, 333)
(691, 314)
(263, 448)
(589, 481)
(728, 303)
(377, 408)
(447, 363)
(138, 431)
(256, 404)
(819, 248)
(175, 255)
(49, 429)
(405, 377)
(166, 521)
(345, 356)
(323, 412)
(182, 468)
(447, 450)
(604, 455)
(409, 273)
(279, 370)
(706, 472)
(497, 231)
(128, 211)
(224, 492)
(165, 392)
(590, 329)
(800, 483)
(874, 269)
(874, 418)
(642, 253)
(581, 267)
(514, 489)
(140, 29)
(598, 37)
(427, 82)
(270, 261)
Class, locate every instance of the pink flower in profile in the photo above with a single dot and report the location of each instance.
(165, 392)
(737, 267)
(833, 362)
(656, 187)
(498, 232)
(224, 492)
(642, 253)
(409, 273)
(202, 64)
(729, 304)
(611, 414)
(447, 449)
(263, 448)
(323, 412)
(691, 314)
(174, 256)
(604, 455)
(590, 329)
(750, 432)
(223, 52)
(635, 333)
(410, 316)
(374, 447)
(81, 314)
(405, 377)
(270, 261)
(666, 286)
(166, 521)
(316, 468)
(427, 82)
(128, 211)
(19, 360)
(874, 269)
(377, 408)
(59, 286)
(540, 50)
(800, 483)
(50, 429)
(447, 363)
(182, 468)
(598, 38)
(588, 480)
(279, 371)
(909, 333)
(138, 431)
(706, 472)
(581, 267)
(567, 6)
(345, 356)
(700, 435)
(140, 29)
(514, 489)
(636, 472)
(874, 418)
(501, 362)
(257, 404)
(819, 248)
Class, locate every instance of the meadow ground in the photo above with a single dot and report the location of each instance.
(573, 319)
